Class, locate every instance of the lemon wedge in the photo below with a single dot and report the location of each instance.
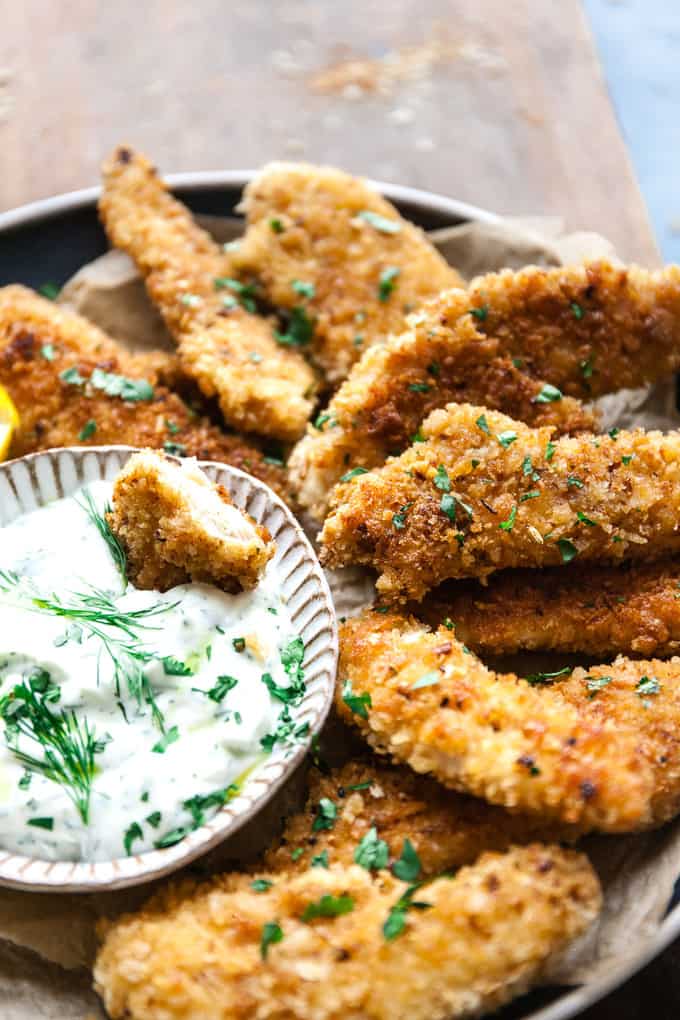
(9, 421)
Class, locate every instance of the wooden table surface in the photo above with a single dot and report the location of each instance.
(499, 104)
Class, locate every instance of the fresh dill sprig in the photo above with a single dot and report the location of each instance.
(69, 745)
(104, 528)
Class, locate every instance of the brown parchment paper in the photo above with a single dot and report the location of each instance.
(47, 941)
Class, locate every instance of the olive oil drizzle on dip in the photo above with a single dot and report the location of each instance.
(127, 717)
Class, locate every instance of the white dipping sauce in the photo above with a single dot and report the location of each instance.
(154, 774)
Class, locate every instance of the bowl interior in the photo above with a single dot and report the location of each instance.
(37, 479)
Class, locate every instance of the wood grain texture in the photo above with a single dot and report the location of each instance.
(505, 106)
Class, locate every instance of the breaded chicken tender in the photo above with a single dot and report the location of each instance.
(224, 950)
(446, 829)
(73, 385)
(483, 492)
(325, 245)
(232, 354)
(176, 526)
(514, 342)
(632, 609)
(423, 698)
(379, 409)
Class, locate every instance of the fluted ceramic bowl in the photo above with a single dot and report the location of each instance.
(32, 481)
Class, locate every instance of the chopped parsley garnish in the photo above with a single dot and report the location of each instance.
(132, 834)
(320, 860)
(358, 340)
(448, 504)
(25, 780)
(427, 680)
(387, 282)
(357, 703)
(246, 292)
(647, 685)
(626, 459)
(196, 806)
(219, 692)
(274, 461)
(326, 814)
(322, 420)
(296, 854)
(547, 678)
(506, 438)
(380, 223)
(154, 819)
(509, 524)
(613, 433)
(395, 923)
(328, 906)
(271, 934)
(399, 519)
(372, 852)
(172, 428)
(480, 313)
(291, 695)
(88, 430)
(483, 424)
(442, 480)
(567, 550)
(303, 288)
(418, 436)
(191, 300)
(300, 329)
(113, 385)
(354, 473)
(596, 683)
(548, 395)
(276, 226)
(576, 309)
(175, 449)
(47, 351)
(434, 369)
(574, 482)
(239, 644)
(261, 885)
(408, 867)
(169, 737)
(534, 494)
(285, 731)
(587, 367)
(174, 667)
(448, 623)
(581, 517)
(361, 786)
(419, 387)
(49, 290)
(46, 822)
(550, 451)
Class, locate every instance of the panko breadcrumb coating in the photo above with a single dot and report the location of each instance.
(379, 408)
(232, 354)
(632, 609)
(226, 950)
(446, 829)
(324, 242)
(176, 526)
(513, 342)
(48, 357)
(424, 699)
(483, 492)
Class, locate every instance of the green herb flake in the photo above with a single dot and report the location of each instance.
(296, 854)
(175, 449)
(357, 703)
(154, 819)
(596, 683)
(576, 309)
(483, 424)
(219, 692)
(372, 853)
(534, 494)
(41, 823)
(506, 438)
(509, 524)
(49, 290)
(442, 480)
(303, 288)
(271, 934)
(418, 436)
(427, 680)
(387, 282)
(358, 340)
(395, 923)
(419, 387)
(613, 433)
(320, 860)
(161, 746)
(647, 685)
(481, 313)
(581, 517)
(354, 473)
(434, 369)
(172, 428)
(537, 679)
(399, 519)
(626, 459)
(174, 667)
(88, 430)
(587, 367)
(300, 329)
(132, 834)
(361, 786)
(547, 395)
(380, 223)
(408, 867)
(568, 550)
(326, 814)
(47, 351)
(261, 885)
(238, 644)
(25, 780)
(328, 906)
(276, 226)
(550, 451)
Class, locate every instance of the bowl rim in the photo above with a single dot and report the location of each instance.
(123, 872)
(573, 1001)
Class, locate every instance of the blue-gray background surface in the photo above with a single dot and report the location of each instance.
(639, 46)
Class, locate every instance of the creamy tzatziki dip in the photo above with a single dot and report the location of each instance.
(127, 717)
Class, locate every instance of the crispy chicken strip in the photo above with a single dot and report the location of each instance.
(232, 354)
(483, 492)
(175, 526)
(423, 698)
(379, 409)
(632, 609)
(48, 360)
(446, 829)
(583, 330)
(325, 245)
(226, 950)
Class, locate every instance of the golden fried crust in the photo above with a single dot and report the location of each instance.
(176, 526)
(588, 329)
(305, 223)
(514, 501)
(484, 938)
(632, 609)
(487, 734)
(261, 386)
(447, 829)
(39, 341)
(379, 408)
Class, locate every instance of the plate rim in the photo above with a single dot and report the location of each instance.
(572, 1002)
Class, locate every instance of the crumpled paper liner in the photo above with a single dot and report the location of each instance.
(47, 940)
